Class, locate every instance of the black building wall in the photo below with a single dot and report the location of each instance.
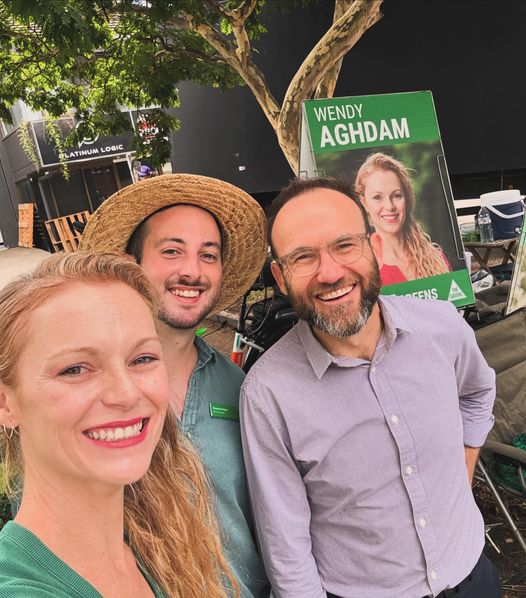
(8, 202)
(469, 53)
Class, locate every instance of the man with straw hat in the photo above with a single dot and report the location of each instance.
(201, 242)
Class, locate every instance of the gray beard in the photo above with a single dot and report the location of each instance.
(338, 323)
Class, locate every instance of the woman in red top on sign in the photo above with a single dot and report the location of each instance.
(403, 249)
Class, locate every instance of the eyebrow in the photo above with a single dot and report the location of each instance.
(183, 242)
(94, 351)
(382, 191)
(337, 240)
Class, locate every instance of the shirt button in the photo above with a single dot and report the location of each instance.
(395, 419)
(373, 369)
(433, 574)
(422, 522)
(409, 470)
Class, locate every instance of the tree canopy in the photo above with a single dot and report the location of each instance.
(96, 56)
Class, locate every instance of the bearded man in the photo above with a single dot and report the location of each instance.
(361, 427)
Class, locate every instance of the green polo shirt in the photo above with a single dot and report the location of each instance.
(28, 569)
(210, 420)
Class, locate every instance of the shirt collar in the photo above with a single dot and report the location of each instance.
(205, 352)
(320, 359)
(394, 321)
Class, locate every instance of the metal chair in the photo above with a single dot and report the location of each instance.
(503, 344)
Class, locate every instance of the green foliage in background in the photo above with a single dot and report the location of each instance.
(96, 56)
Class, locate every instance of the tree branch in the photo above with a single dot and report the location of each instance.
(238, 17)
(247, 70)
(327, 85)
(332, 47)
(182, 21)
(243, 11)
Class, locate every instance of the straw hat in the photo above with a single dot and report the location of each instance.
(241, 219)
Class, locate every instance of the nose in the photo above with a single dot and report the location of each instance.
(190, 267)
(389, 204)
(121, 390)
(329, 271)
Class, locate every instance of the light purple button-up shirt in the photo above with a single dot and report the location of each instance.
(356, 469)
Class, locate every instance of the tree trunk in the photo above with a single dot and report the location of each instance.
(316, 77)
(332, 47)
(327, 85)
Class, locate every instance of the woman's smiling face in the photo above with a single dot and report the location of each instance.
(385, 201)
(91, 389)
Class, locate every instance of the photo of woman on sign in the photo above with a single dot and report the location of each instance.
(403, 249)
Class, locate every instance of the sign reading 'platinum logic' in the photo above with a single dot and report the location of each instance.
(99, 147)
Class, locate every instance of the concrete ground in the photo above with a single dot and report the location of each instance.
(18, 260)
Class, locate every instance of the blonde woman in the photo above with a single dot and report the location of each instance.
(403, 249)
(113, 503)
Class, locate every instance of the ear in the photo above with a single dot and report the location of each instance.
(362, 201)
(277, 272)
(376, 245)
(129, 257)
(8, 412)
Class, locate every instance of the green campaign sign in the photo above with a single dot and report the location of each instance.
(367, 121)
(389, 146)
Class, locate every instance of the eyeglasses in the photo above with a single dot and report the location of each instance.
(306, 260)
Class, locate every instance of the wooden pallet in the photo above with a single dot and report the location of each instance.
(25, 224)
(64, 237)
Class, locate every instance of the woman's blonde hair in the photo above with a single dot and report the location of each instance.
(425, 258)
(169, 521)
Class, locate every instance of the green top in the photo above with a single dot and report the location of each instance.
(211, 421)
(28, 569)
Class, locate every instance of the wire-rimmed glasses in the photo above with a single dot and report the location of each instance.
(305, 261)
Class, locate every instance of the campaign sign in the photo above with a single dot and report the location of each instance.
(389, 147)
